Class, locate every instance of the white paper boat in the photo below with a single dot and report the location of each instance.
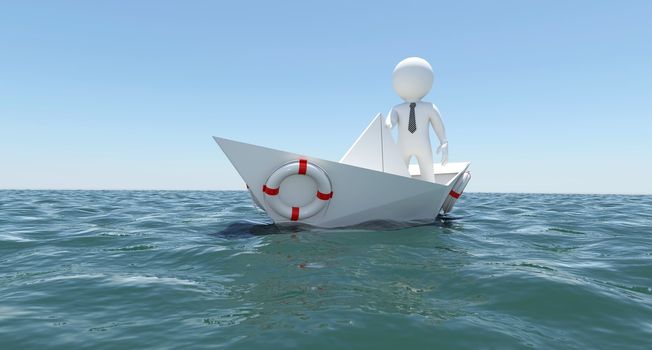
(369, 184)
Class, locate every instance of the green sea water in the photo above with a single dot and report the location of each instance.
(170, 270)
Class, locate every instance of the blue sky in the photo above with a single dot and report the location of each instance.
(541, 96)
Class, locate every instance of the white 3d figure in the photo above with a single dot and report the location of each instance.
(412, 80)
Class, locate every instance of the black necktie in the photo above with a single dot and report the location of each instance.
(412, 124)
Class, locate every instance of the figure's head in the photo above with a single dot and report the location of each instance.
(412, 78)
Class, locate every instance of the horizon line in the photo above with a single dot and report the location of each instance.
(245, 190)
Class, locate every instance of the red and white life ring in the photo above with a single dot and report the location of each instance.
(324, 193)
(456, 192)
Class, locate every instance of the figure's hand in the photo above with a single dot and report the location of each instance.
(443, 148)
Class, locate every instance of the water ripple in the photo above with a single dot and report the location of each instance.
(166, 269)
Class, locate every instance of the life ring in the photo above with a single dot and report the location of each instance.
(456, 192)
(324, 193)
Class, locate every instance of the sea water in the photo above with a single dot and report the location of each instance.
(169, 270)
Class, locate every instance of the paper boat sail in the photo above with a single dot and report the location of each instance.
(375, 149)
(370, 183)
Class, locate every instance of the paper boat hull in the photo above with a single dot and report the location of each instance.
(359, 195)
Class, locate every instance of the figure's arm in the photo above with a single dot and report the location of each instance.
(440, 131)
(392, 118)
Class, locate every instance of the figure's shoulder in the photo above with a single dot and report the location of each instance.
(431, 106)
(426, 104)
(399, 108)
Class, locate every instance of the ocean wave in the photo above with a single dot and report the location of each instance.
(173, 269)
